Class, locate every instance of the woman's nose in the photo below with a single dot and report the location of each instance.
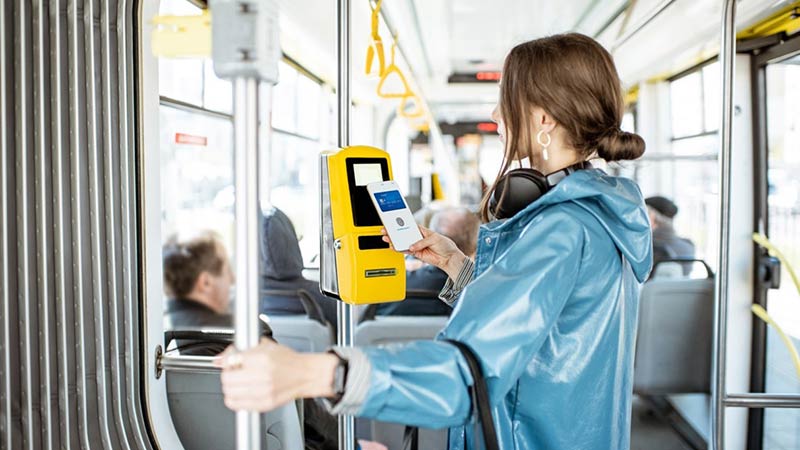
(496, 114)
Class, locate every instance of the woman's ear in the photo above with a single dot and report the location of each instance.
(543, 120)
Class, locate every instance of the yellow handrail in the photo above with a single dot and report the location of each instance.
(759, 311)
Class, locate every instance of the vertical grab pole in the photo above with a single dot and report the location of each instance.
(245, 122)
(246, 49)
(345, 316)
(718, 388)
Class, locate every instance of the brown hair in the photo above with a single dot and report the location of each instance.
(574, 79)
(185, 261)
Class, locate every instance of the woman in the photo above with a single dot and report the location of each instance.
(551, 307)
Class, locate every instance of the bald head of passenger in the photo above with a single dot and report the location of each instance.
(460, 225)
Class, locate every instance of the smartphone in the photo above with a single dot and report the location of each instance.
(394, 213)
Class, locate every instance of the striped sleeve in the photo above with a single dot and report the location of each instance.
(359, 371)
(452, 288)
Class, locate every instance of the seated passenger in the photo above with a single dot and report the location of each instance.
(282, 269)
(461, 226)
(666, 244)
(198, 279)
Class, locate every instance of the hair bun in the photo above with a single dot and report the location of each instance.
(620, 146)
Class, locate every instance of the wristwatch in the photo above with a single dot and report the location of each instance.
(339, 377)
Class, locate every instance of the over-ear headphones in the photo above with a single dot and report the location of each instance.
(520, 187)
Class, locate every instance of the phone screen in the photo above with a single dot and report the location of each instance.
(390, 200)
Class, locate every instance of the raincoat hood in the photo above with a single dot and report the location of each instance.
(615, 202)
(280, 252)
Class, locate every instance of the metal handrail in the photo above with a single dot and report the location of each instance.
(643, 22)
(182, 363)
(718, 389)
(763, 400)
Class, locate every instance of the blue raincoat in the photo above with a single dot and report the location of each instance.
(551, 314)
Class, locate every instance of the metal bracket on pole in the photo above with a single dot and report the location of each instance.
(245, 49)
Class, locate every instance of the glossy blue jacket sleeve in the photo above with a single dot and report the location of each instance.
(504, 315)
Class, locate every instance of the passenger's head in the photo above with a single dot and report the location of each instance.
(562, 91)
(198, 269)
(281, 258)
(661, 210)
(459, 224)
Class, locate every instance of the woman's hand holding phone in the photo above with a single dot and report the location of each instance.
(436, 250)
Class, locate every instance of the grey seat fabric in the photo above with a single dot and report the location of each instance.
(301, 333)
(394, 329)
(673, 348)
(203, 422)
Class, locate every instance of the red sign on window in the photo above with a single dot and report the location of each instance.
(488, 76)
(487, 127)
(188, 139)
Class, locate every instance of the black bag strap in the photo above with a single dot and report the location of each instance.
(480, 402)
(411, 438)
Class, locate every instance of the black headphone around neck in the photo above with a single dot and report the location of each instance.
(520, 187)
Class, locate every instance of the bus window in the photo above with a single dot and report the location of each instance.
(196, 173)
(686, 171)
(300, 113)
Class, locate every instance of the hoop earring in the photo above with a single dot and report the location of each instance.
(545, 156)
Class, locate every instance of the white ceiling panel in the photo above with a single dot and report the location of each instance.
(443, 36)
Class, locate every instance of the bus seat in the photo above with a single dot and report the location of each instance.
(303, 333)
(672, 271)
(202, 421)
(673, 347)
(384, 330)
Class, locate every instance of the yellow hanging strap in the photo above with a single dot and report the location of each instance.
(416, 112)
(759, 311)
(182, 36)
(384, 71)
(393, 69)
(376, 46)
(436, 187)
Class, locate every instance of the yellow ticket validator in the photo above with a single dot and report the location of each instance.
(356, 266)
